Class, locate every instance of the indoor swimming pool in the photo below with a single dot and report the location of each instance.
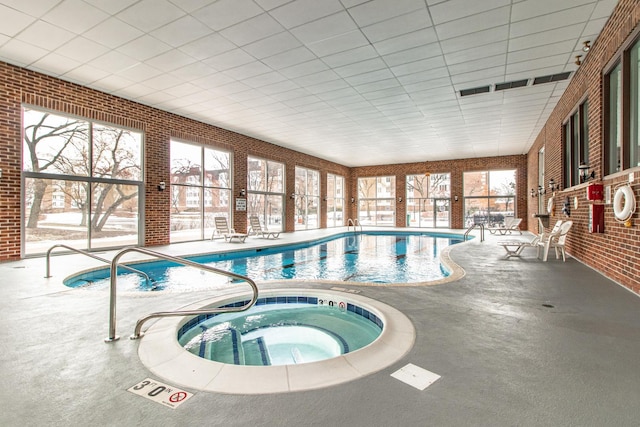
(376, 257)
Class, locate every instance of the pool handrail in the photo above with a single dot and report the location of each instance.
(480, 225)
(90, 255)
(355, 224)
(114, 278)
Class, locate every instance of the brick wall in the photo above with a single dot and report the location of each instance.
(615, 252)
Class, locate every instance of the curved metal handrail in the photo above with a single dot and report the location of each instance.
(90, 255)
(112, 292)
(481, 226)
(355, 223)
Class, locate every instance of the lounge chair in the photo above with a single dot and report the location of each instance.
(256, 228)
(510, 224)
(229, 234)
(515, 247)
(555, 240)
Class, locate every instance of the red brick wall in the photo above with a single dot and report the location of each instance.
(456, 168)
(615, 252)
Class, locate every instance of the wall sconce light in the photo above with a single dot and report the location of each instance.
(455, 198)
(586, 46)
(161, 186)
(399, 199)
(578, 61)
(324, 198)
(353, 200)
(553, 186)
(0, 173)
(584, 172)
(293, 195)
(540, 191)
(243, 192)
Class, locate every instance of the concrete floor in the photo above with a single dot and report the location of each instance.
(505, 357)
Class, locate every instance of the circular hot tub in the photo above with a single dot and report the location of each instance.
(308, 355)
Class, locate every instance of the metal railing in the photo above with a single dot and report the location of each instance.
(90, 255)
(112, 293)
(481, 226)
(355, 223)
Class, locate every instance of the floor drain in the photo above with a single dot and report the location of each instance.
(547, 305)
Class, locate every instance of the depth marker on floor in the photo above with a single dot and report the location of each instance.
(415, 376)
(160, 393)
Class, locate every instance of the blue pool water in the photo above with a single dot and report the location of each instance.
(370, 256)
(283, 330)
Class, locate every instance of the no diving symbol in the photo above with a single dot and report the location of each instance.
(177, 397)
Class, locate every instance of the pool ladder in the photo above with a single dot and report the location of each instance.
(481, 226)
(355, 223)
(137, 332)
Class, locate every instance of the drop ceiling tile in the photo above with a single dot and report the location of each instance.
(272, 45)
(75, 15)
(320, 88)
(285, 86)
(350, 56)
(457, 9)
(479, 78)
(379, 10)
(54, 64)
(162, 82)
(45, 35)
(538, 63)
(111, 6)
(139, 72)
(370, 77)
(289, 58)
(85, 74)
(339, 43)
(225, 13)
(143, 48)
(13, 21)
(251, 30)
(474, 23)
(418, 66)
(593, 28)
(271, 4)
(478, 39)
(315, 78)
(170, 60)
(551, 21)
(300, 12)
(183, 90)
(147, 15)
(603, 9)
(111, 83)
(211, 81)
(306, 68)
(324, 28)
(230, 59)
(478, 64)
(397, 26)
(532, 8)
(387, 87)
(112, 62)
(407, 41)
(361, 67)
(81, 49)
(181, 31)
(571, 32)
(246, 71)
(35, 8)
(265, 79)
(207, 47)
(473, 54)
(413, 54)
(134, 91)
(113, 33)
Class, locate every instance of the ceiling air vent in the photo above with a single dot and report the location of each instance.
(511, 85)
(475, 90)
(551, 78)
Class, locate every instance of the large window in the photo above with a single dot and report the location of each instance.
(428, 200)
(265, 180)
(576, 144)
(489, 197)
(200, 190)
(377, 200)
(82, 182)
(307, 198)
(622, 113)
(335, 200)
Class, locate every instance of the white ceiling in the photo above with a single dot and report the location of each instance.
(358, 82)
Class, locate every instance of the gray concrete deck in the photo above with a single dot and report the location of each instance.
(516, 342)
